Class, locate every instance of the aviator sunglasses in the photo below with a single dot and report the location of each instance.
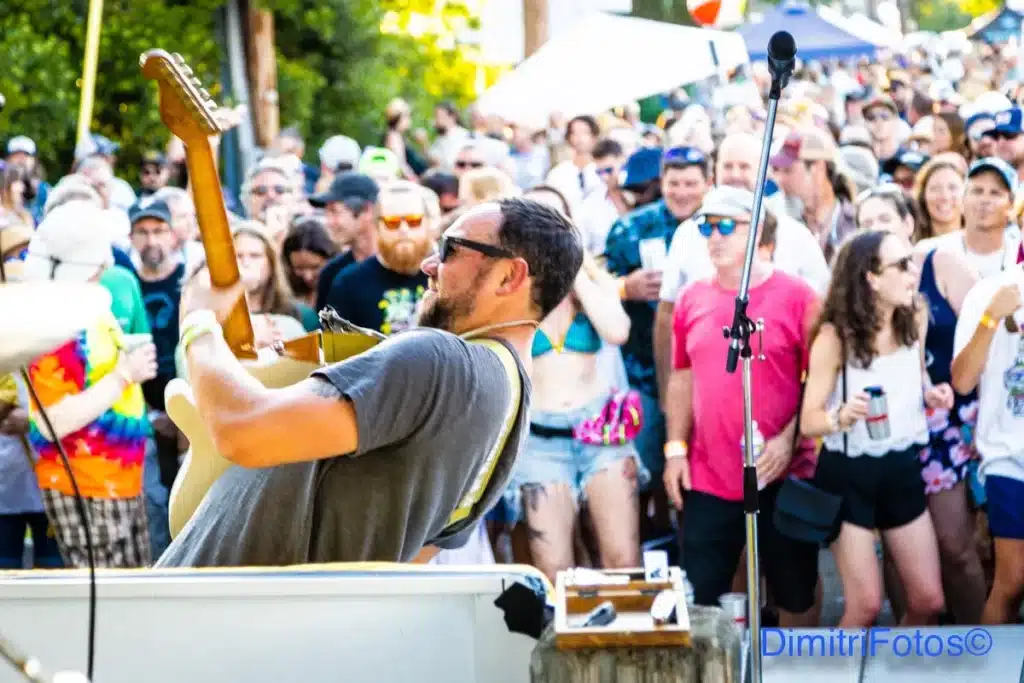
(395, 222)
(447, 246)
(725, 226)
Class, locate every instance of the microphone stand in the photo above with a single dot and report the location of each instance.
(739, 348)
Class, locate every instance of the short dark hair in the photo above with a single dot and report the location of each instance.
(548, 242)
(441, 182)
(607, 148)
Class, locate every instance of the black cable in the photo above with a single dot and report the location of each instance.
(79, 505)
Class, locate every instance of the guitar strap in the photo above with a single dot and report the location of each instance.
(483, 477)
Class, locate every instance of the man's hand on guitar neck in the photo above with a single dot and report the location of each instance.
(199, 294)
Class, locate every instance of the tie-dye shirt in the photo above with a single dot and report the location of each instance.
(107, 454)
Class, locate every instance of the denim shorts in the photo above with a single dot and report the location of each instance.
(562, 459)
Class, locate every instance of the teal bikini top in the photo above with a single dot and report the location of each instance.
(581, 337)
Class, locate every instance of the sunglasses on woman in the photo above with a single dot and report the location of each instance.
(725, 226)
(446, 248)
(902, 265)
(395, 222)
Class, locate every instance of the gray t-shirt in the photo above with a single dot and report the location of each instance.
(429, 407)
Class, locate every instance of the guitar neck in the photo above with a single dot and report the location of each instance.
(215, 232)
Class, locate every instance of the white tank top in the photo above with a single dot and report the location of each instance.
(899, 375)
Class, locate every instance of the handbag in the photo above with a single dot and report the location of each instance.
(617, 424)
(804, 512)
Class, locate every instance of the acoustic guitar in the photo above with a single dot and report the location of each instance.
(189, 112)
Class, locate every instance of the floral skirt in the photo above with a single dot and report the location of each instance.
(945, 461)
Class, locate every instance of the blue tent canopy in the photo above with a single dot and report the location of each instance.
(998, 26)
(815, 37)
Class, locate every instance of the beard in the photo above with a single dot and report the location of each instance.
(404, 256)
(152, 257)
(443, 313)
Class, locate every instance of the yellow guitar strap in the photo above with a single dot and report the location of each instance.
(487, 468)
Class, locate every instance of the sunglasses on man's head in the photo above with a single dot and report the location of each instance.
(395, 222)
(725, 226)
(447, 245)
(469, 164)
(689, 156)
(263, 190)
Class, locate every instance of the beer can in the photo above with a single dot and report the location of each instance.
(878, 413)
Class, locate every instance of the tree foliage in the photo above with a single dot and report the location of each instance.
(336, 69)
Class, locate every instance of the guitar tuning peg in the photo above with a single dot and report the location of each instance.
(197, 83)
(178, 58)
(187, 70)
(205, 94)
(211, 105)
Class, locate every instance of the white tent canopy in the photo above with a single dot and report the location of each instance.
(862, 27)
(606, 61)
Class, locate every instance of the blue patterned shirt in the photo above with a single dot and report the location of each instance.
(623, 253)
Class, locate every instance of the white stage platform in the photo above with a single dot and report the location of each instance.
(325, 624)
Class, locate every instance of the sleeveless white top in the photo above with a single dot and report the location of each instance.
(899, 374)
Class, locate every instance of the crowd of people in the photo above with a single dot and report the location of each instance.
(888, 264)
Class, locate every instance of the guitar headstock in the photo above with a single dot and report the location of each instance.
(185, 107)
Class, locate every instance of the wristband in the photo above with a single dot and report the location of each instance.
(988, 321)
(198, 324)
(622, 288)
(676, 449)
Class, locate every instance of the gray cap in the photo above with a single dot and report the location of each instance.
(859, 165)
(729, 202)
(339, 149)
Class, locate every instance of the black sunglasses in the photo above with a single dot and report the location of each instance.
(469, 164)
(448, 244)
(902, 265)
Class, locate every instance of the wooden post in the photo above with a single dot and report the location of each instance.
(535, 23)
(262, 75)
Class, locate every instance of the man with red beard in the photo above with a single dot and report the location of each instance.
(381, 293)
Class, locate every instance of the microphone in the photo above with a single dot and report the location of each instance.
(781, 60)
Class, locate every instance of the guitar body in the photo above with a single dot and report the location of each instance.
(203, 464)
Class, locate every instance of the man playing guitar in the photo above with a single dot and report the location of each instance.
(400, 449)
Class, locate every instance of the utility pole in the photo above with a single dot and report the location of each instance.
(262, 74)
(535, 23)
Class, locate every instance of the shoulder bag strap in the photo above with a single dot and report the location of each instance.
(842, 346)
(483, 476)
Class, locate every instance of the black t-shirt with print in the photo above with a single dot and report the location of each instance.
(328, 273)
(369, 295)
(162, 299)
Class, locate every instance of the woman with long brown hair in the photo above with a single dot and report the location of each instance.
(867, 361)
(276, 315)
(14, 183)
(939, 195)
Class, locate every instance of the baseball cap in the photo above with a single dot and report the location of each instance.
(880, 100)
(855, 135)
(979, 125)
(810, 144)
(1005, 171)
(72, 243)
(149, 208)
(379, 162)
(728, 202)
(348, 187)
(1010, 121)
(338, 150)
(906, 158)
(22, 144)
(153, 158)
(642, 168)
(860, 165)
